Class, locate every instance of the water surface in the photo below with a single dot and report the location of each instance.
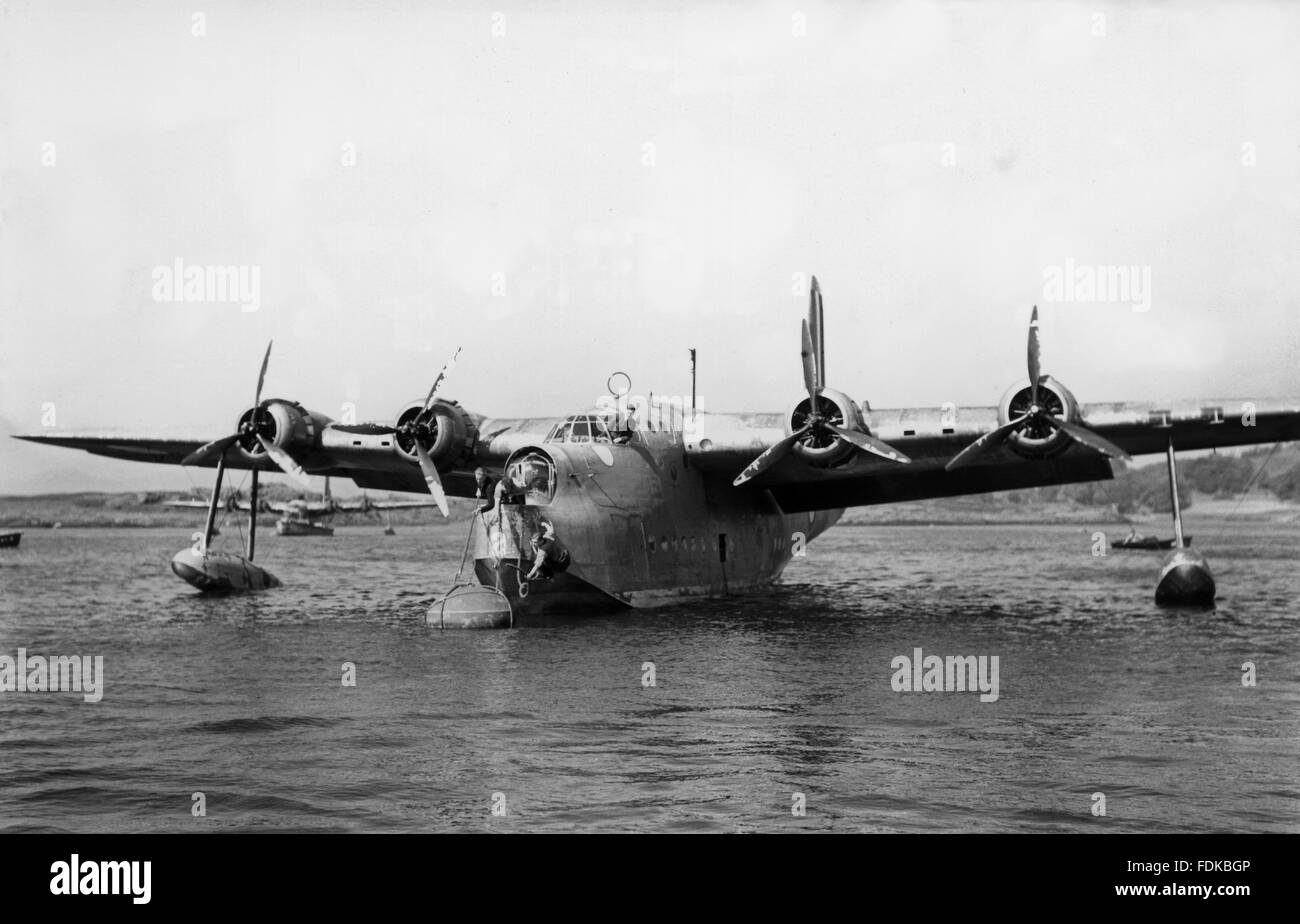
(755, 698)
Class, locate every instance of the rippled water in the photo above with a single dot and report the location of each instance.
(755, 698)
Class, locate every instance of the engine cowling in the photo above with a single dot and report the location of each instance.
(286, 424)
(1035, 439)
(451, 438)
(822, 448)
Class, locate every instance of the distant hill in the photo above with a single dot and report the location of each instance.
(1211, 483)
(1135, 491)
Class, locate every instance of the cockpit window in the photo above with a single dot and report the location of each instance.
(581, 428)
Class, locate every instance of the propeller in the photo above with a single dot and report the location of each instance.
(252, 432)
(422, 430)
(822, 423)
(1040, 418)
(431, 477)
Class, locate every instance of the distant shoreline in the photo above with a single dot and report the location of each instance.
(147, 511)
(136, 511)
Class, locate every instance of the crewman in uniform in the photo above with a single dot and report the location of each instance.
(550, 557)
(484, 490)
(623, 434)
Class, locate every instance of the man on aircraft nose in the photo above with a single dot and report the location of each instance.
(550, 557)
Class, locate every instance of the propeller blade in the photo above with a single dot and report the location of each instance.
(285, 461)
(868, 443)
(774, 454)
(261, 376)
(431, 477)
(209, 450)
(1035, 356)
(365, 429)
(451, 364)
(817, 327)
(1088, 438)
(810, 375)
(985, 444)
(602, 453)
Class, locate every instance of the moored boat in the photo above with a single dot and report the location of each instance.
(290, 527)
(1147, 543)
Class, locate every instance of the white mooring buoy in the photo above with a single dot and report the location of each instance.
(471, 606)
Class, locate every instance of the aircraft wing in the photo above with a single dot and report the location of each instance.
(931, 437)
(186, 503)
(369, 459)
(134, 448)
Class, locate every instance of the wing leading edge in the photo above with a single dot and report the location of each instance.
(369, 461)
(932, 437)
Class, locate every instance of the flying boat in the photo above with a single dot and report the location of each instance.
(664, 503)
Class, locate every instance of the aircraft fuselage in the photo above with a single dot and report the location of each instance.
(644, 528)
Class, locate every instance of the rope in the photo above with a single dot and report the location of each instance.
(1246, 490)
(496, 566)
(464, 555)
(496, 562)
(239, 522)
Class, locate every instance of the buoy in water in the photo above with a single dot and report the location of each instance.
(1185, 580)
(471, 606)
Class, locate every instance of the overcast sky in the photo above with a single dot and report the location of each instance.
(572, 189)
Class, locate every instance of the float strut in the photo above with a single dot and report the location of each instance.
(1185, 578)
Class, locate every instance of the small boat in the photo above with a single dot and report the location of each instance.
(1146, 543)
(288, 527)
(9, 540)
